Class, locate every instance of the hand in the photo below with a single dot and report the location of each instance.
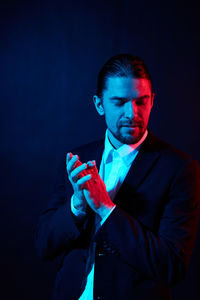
(78, 176)
(95, 193)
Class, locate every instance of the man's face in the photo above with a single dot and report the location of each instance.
(126, 104)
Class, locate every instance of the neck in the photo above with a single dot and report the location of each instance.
(114, 142)
(117, 144)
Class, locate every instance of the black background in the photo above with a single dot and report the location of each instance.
(51, 52)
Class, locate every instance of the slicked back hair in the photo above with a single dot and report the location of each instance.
(122, 65)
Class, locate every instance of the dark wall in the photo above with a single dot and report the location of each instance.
(51, 52)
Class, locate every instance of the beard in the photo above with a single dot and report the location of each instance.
(126, 136)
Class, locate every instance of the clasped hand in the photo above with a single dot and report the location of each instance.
(89, 188)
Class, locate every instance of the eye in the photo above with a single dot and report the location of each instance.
(120, 102)
(140, 102)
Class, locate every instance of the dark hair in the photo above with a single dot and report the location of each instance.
(122, 65)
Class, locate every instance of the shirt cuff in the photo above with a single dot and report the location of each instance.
(78, 213)
(108, 214)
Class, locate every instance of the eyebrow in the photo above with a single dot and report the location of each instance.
(124, 98)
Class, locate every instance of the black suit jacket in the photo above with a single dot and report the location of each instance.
(145, 245)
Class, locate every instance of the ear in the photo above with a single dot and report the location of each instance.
(152, 99)
(98, 105)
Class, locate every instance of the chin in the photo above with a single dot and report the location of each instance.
(131, 139)
(125, 137)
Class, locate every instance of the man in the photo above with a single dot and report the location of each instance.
(128, 230)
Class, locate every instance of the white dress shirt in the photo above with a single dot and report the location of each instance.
(114, 167)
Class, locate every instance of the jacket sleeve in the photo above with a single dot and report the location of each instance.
(58, 230)
(164, 255)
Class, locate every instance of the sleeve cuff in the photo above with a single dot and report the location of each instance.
(78, 213)
(105, 218)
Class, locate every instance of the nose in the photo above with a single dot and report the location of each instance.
(129, 110)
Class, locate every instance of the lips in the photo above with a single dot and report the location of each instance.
(132, 125)
(135, 125)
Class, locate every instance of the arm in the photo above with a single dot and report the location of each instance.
(58, 228)
(162, 256)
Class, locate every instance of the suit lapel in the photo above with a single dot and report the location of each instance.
(92, 151)
(99, 153)
(142, 165)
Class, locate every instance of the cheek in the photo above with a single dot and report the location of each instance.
(112, 115)
(111, 120)
(145, 112)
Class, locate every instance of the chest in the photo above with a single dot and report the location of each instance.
(147, 201)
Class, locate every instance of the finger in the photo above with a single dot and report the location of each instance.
(77, 172)
(83, 180)
(91, 163)
(77, 164)
(68, 157)
(92, 168)
(71, 164)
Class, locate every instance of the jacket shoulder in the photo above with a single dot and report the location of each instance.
(170, 153)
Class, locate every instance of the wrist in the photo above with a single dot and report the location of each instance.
(78, 204)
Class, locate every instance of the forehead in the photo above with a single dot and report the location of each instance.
(127, 87)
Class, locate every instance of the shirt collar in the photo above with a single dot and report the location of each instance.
(126, 152)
